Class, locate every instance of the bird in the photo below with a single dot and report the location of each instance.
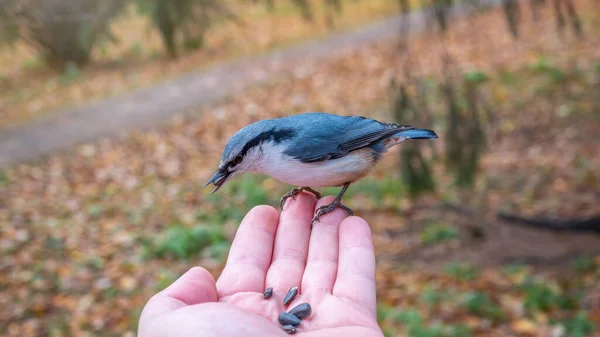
(311, 150)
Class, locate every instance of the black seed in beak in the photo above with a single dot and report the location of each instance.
(291, 294)
(218, 179)
(301, 310)
(285, 318)
(268, 293)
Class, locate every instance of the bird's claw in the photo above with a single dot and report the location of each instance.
(294, 192)
(337, 203)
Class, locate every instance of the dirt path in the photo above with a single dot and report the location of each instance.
(150, 107)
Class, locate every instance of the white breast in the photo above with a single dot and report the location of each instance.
(328, 173)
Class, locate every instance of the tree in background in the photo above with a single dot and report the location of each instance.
(10, 31)
(66, 31)
(332, 8)
(184, 22)
(63, 31)
(459, 100)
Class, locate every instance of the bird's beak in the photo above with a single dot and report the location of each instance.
(218, 179)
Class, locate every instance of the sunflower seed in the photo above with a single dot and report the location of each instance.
(268, 293)
(290, 329)
(301, 310)
(285, 318)
(291, 294)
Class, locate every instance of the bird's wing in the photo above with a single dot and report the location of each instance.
(335, 137)
(372, 137)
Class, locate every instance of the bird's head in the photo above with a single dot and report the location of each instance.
(245, 149)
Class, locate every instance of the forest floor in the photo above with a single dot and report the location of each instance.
(88, 236)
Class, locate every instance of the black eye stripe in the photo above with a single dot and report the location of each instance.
(275, 136)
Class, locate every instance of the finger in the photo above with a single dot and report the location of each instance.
(250, 253)
(194, 287)
(291, 244)
(356, 267)
(322, 261)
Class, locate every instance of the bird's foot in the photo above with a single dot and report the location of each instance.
(294, 192)
(337, 203)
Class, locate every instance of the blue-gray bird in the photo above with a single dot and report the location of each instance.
(312, 150)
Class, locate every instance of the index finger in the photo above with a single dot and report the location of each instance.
(250, 253)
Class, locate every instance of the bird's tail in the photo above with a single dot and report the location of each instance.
(417, 134)
(407, 134)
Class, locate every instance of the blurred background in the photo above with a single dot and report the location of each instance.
(491, 230)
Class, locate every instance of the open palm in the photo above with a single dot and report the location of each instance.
(333, 266)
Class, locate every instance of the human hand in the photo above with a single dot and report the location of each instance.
(333, 266)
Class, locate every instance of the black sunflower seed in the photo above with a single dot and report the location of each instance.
(301, 310)
(285, 318)
(291, 294)
(290, 329)
(268, 293)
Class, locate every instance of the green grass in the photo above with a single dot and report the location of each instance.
(96, 263)
(388, 317)
(585, 264)
(414, 325)
(476, 303)
(388, 313)
(182, 242)
(544, 67)
(33, 63)
(249, 191)
(584, 170)
(508, 78)
(475, 77)
(461, 271)
(219, 250)
(580, 325)
(437, 232)
(95, 211)
(539, 297)
(165, 277)
(4, 178)
(514, 269)
(376, 189)
(71, 74)
(480, 304)
(223, 212)
(433, 296)
(236, 198)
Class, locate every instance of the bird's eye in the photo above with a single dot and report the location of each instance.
(238, 159)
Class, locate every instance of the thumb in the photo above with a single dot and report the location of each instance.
(196, 286)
